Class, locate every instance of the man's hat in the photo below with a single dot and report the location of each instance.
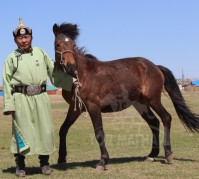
(22, 29)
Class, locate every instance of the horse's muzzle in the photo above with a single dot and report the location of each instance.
(69, 68)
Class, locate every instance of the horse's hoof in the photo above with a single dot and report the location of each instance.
(150, 159)
(100, 168)
(169, 158)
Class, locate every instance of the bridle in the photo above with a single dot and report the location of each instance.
(61, 53)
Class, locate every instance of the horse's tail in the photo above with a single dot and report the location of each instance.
(189, 119)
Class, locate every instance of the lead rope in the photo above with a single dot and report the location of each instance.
(78, 99)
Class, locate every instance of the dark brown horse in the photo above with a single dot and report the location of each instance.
(135, 81)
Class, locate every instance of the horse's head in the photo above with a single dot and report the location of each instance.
(65, 36)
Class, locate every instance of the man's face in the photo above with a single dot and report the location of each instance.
(24, 42)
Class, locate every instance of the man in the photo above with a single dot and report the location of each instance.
(25, 74)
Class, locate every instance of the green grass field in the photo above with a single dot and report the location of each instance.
(128, 141)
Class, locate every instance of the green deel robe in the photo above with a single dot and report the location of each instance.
(32, 113)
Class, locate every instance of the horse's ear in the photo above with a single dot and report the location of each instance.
(55, 29)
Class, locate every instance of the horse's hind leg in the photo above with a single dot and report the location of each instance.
(154, 125)
(166, 119)
(69, 121)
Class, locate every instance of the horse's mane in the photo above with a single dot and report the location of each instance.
(83, 52)
(68, 29)
(91, 56)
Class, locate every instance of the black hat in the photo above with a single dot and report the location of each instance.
(22, 29)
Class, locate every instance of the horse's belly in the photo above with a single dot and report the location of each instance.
(115, 105)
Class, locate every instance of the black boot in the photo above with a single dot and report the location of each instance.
(20, 165)
(44, 164)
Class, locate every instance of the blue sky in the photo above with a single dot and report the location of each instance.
(163, 31)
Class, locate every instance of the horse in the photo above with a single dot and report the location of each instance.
(135, 81)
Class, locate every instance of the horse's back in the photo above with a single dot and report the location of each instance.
(143, 74)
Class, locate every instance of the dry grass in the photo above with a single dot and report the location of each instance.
(127, 140)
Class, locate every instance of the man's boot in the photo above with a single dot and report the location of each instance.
(20, 165)
(44, 164)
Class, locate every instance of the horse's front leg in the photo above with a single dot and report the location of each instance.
(69, 121)
(95, 114)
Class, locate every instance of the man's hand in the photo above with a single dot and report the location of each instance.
(77, 84)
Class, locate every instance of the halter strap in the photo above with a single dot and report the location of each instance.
(61, 53)
(64, 52)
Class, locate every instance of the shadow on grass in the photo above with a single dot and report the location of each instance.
(161, 159)
(92, 164)
(29, 170)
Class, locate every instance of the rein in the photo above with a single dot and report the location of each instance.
(78, 99)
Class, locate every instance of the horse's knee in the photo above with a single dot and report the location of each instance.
(157, 123)
(167, 120)
(100, 137)
(63, 131)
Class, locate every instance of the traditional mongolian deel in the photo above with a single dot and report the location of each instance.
(32, 116)
(21, 141)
